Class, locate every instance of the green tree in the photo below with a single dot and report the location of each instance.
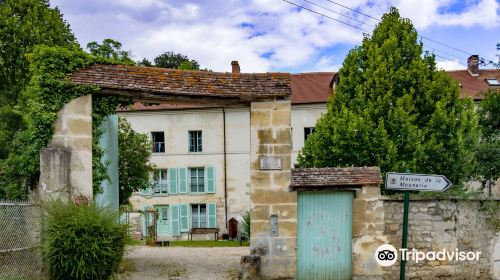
(393, 109)
(134, 151)
(111, 50)
(23, 24)
(173, 60)
(488, 153)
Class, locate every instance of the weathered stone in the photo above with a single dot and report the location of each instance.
(260, 212)
(281, 118)
(260, 118)
(79, 126)
(285, 211)
(261, 179)
(263, 196)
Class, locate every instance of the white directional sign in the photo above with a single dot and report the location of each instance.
(416, 182)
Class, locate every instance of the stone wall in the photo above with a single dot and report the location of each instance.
(72, 138)
(435, 225)
(271, 142)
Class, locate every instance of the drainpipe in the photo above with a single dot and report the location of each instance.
(225, 164)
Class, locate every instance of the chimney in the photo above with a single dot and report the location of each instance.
(473, 65)
(235, 67)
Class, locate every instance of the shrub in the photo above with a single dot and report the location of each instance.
(245, 224)
(82, 242)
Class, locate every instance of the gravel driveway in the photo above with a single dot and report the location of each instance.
(144, 263)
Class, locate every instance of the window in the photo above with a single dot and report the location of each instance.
(199, 215)
(197, 180)
(164, 213)
(158, 142)
(195, 144)
(308, 131)
(493, 82)
(161, 185)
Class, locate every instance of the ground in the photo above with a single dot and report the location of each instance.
(143, 262)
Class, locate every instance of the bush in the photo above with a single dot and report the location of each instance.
(84, 242)
(245, 224)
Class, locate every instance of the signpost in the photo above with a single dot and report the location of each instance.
(413, 182)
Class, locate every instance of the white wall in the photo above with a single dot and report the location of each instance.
(176, 124)
(304, 115)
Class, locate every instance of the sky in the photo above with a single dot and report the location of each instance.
(273, 35)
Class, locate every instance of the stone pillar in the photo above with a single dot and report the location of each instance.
(367, 232)
(73, 134)
(54, 175)
(270, 176)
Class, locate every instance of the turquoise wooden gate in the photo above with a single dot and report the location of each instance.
(324, 235)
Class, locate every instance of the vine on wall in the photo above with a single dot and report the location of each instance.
(48, 91)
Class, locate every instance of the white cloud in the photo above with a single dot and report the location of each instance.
(450, 65)
(263, 35)
(425, 13)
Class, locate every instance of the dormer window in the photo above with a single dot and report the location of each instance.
(492, 82)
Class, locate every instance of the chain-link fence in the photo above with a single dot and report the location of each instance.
(20, 239)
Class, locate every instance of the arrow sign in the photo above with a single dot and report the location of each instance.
(416, 182)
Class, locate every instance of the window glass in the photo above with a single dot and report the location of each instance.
(195, 141)
(197, 180)
(198, 215)
(308, 131)
(158, 141)
(161, 186)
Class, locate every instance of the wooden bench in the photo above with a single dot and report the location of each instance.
(215, 231)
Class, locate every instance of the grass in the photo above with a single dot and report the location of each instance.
(207, 243)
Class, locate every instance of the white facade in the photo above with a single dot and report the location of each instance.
(175, 125)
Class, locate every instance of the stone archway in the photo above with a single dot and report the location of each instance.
(66, 164)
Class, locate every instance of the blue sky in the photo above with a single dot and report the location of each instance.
(272, 35)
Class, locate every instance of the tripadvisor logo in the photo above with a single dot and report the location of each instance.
(387, 255)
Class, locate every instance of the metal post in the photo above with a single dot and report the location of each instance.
(405, 233)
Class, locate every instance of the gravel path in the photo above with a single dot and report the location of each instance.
(144, 263)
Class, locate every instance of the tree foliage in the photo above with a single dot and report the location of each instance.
(134, 151)
(488, 152)
(23, 25)
(110, 50)
(393, 109)
(173, 60)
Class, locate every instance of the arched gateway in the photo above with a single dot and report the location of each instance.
(66, 164)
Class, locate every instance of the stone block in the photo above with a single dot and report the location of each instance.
(282, 149)
(263, 196)
(260, 119)
(285, 211)
(288, 229)
(260, 179)
(281, 118)
(281, 179)
(79, 126)
(277, 267)
(79, 106)
(260, 212)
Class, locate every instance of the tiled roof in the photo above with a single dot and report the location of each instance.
(162, 82)
(318, 178)
(474, 87)
(311, 87)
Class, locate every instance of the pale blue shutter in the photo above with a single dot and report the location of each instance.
(172, 181)
(182, 180)
(184, 217)
(212, 215)
(174, 220)
(210, 179)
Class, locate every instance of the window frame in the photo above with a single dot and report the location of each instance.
(162, 144)
(200, 180)
(195, 141)
(197, 222)
(163, 188)
(308, 130)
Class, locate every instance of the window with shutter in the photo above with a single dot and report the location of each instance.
(210, 179)
(182, 180)
(199, 215)
(184, 217)
(174, 220)
(172, 181)
(212, 215)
